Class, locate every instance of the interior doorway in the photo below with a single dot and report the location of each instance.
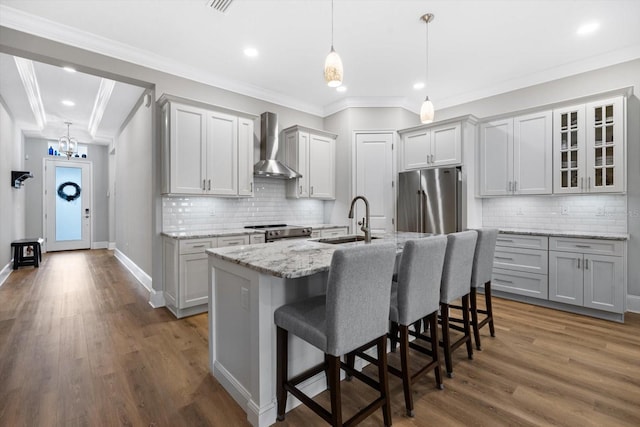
(374, 178)
(67, 204)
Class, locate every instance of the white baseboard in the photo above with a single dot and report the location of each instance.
(5, 272)
(112, 246)
(142, 277)
(633, 303)
(99, 245)
(156, 299)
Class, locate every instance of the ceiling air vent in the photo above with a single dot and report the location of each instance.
(219, 5)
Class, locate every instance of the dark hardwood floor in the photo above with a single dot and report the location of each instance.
(80, 345)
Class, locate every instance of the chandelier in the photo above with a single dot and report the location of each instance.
(66, 144)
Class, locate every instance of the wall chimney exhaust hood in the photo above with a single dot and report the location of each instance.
(268, 166)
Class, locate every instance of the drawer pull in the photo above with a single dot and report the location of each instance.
(504, 257)
(503, 281)
(505, 240)
(233, 243)
(198, 246)
(583, 246)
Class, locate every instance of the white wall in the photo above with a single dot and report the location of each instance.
(36, 150)
(133, 189)
(12, 205)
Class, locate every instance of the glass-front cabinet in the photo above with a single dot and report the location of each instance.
(589, 147)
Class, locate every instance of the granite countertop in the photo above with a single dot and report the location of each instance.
(201, 234)
(297, 258)
(557, 233)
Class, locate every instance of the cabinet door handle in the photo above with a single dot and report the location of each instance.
(204, 184)
(431, 158)
(504, 257)
(251, 187)
(515, 186)
(578, 263)
(502, 280)
(505, 240)
(301, 189)
(583, 246)
(581, 183)
(510, 186)
(209, 186)
(586, 264)
(312, 190)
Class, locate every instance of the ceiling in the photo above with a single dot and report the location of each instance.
(477, 48)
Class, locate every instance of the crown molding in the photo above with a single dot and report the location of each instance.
(30, 82)
(41, 27)
(370, 102)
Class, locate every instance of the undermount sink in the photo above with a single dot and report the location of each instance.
(343, 239)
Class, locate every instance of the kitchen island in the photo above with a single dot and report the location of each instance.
(247, 284)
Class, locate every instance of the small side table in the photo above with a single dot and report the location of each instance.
(21, 260)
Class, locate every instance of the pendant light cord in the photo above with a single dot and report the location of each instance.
(331, 24)
(426, 62)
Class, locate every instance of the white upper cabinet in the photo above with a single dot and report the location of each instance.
(311, 153)
(432, 145)
(205, 152)
(589, 147)
(515, 155)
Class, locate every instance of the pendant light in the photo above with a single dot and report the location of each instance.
(426, 111)
(66, 144)
(333, 71)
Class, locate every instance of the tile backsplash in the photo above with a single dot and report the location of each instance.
(598, 213)
(268, 206)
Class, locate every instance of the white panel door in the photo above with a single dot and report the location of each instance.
(188, 149)
(532, 153)
(222, 154)
(321, 167)
(566, 277)
(446, 145)
(245, 157)
(604, 283)
(67, 208)
(374, 179)
(496, 158)
(416, 149)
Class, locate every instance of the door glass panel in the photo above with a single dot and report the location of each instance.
(609, 176)
(574, 179)
(598, 136)
(598, 177)
(610, 134)
(564, 140)
(68, 203)
(564, 160)
(564, 179)
(563, 119)
(574, 139)
(609, 156)
(598, 114)
(574, 159)
(609, 113)
(574, 119)
(598, 156)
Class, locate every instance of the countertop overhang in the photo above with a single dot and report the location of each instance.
(556, 233)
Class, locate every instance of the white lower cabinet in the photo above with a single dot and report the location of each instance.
(329, 232)
(580, 272)
(185, 267)
(520, 265)
(581, 275)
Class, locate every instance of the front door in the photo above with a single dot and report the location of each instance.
(67, 207)
(374, 179)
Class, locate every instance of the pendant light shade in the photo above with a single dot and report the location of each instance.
(426, 111)
(333, 71)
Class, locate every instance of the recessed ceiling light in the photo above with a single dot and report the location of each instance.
(587, 28)
(418, 85)
(341, 89)
(69, 69)
(251, 52)
(68, 103)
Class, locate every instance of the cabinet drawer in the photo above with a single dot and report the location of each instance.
(195, 246)
(530, 260)
(233, 241)
(523, 241)
(521, 283)
(587, 246)
(257, 238)
(333, 232)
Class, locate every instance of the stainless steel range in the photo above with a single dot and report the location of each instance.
(274, 232)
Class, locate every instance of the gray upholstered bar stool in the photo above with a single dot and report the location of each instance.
(354, 312)
(481, 276)
(456, 284)
(415, 295)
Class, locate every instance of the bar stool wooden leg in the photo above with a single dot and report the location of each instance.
(393, 336)
(404, 361)
(282, 354)
(474, 318)
(334, 389)
(467, 325)
(433, 324)
(446, 339)
(383, 378)
(487, 298)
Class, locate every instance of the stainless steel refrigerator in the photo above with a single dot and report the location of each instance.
(430, 201)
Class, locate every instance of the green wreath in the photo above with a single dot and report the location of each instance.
(68, 197)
